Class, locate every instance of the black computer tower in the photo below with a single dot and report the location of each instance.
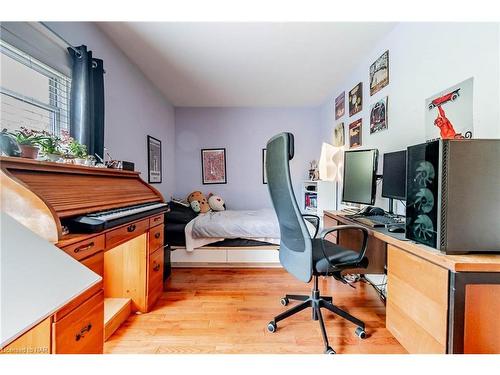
(453, 195)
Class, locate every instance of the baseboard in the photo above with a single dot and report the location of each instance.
(224, 265)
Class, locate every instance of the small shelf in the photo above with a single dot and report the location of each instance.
(116, 311)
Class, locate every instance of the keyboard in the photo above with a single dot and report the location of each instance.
(377, 221)
(99, 221)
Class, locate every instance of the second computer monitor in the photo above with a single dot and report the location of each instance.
(394, 175)
(360, 176)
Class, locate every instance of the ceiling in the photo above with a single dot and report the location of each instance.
(245, 64)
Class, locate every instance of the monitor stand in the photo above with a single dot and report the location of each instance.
(391, 206)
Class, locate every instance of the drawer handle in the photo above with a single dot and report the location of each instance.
(131, 228)
(157, 218)
(84, 330)
(84, 247)
(156, 268)
(157, 235)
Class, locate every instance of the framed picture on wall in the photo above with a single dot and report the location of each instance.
(154, 160)
(264, 174)
(356, 99)
(340, 106)
(213, 166)
(355, 133)
(378, 116)
(379, 73)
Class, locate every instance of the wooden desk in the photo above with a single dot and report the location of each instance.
(129, 257)
(436, 303)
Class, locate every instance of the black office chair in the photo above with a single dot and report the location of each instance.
(303, 256)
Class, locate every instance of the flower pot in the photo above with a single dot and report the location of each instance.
(29, 151)
(81, 161)
(53, 157)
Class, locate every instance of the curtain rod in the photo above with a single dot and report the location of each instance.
(76, 51)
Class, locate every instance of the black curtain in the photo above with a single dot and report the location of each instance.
(87, 100)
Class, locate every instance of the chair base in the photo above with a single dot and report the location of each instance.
(316, 302)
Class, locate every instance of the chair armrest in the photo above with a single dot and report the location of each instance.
(316, 222)
(337, 228)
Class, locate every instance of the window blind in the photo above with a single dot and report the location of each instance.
(33, 94)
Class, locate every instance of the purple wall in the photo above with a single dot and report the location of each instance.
(243, 132)
(134, 107)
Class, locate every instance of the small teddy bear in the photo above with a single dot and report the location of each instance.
(215, 202)
(198, 202)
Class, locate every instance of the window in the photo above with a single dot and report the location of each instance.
(33, 95)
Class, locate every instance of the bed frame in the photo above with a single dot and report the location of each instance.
(265, 256)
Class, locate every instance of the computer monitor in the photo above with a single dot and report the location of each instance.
(394, 175)
(360, 176)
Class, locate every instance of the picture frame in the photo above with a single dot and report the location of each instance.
(378, 115)
(264, 174)
(340, 106)
(355, 133)
(338, 135)
(356, 99)
(213, 166)
(379, 73)
(154, 160)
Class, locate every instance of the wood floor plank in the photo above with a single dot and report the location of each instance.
(227, 311)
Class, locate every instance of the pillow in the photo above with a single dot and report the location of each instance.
(179, 213)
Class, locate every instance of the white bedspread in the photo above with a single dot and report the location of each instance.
(259, 225)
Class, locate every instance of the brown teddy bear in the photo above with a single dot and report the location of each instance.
(198, 202)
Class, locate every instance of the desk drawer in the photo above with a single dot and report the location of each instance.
(417, 307)
(155, 220)
(122, 234)
(84, 249)
(155, 238)
(82, 330)
(155, 277)
(95, 263)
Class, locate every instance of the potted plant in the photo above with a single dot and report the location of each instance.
(78, 151)
(28, 141)
(51, 146)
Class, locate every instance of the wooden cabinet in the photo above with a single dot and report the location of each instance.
(155, 276)
(82, 330)
(95, 263)
(157, 219)
(122, 234)
(35, 341)
(417, 302)
(86, 248)
(125, 270)
(155, 238)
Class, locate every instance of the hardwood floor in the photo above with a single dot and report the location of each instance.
(227, 311)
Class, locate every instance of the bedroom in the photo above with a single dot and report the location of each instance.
(246, 136)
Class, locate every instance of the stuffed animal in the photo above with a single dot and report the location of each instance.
(195, 206)
(216, 203)
(197, 196)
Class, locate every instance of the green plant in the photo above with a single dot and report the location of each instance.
(27, 137)
(77, 149)
(50, 144)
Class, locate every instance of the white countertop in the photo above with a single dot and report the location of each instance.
(36, 279)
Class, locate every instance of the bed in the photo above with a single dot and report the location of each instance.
(259, 226)
(230, 228)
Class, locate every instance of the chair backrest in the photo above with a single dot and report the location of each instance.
(295, 244)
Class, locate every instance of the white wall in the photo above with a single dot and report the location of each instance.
(425, 58)
(134, 108)
(243, 132)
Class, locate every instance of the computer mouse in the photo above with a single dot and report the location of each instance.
(396, 229)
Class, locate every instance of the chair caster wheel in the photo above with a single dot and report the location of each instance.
(272, 327)
(329, 350)
(361, 333)
(284, 301)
